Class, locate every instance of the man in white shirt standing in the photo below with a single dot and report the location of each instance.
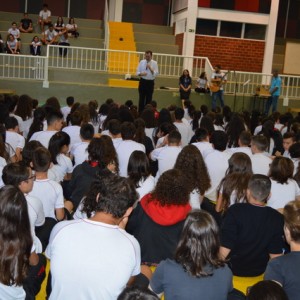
(147, 70)
(127, 146)
(260, 161)
(44, 17)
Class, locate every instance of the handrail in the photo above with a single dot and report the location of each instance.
(125, 63)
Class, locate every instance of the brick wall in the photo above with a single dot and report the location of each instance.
(179, 42)
(231, 54)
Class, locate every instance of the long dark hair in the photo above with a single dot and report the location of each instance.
(24, 107)
(39, 116)
(192, 165)
(236, 178)
(138, 167)
(57, 141)
(15, 236)
(199, 245)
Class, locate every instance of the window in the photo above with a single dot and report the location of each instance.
(254, 31)
(206, 27)
(231, 29)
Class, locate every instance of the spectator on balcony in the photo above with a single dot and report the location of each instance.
(12, 45)
(35, 46)
(14, 31)
(63, 41)
(59, 26)
(72, 28)
(50, 36)
(44, 17)
(26, 24)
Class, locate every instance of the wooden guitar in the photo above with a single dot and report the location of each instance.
(216, 83)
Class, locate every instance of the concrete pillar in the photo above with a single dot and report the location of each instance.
(270, 38)
(115, 10)
(189, 35)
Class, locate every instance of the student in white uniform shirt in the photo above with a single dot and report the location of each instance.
(114, 130)
(44, 17)
(79, 150)
(100, 242)
(20, 176)
(67, 109)
(73, 130)
(140, 174)
(13, 138)
(21, 270)
(54, 124)
(260, 159)
(284, 188)
(12, 108)
(127, 146)
(167, 154)
(244, 144)
(192, 166)
(62, 167)
(48, 191)
(216, 163)
(289, 138)
(184, 129)
(203, 144)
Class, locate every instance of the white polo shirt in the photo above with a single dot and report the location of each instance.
(43, 137)
(80, 153)
(261, 163)
(166, 157)
(51, 195)
(124, 150)
(204, 147)
(217, 164)
(91, 260)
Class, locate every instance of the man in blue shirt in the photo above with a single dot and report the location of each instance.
(274, 91)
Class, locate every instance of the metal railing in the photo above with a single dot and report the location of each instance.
(123, 62)
(126, 62)
(22, 67)
(247, 83)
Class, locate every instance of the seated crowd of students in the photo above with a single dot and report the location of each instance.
(165, 202)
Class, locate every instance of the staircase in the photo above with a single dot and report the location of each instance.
(121, 37)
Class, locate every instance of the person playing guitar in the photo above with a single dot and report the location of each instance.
(218, 79)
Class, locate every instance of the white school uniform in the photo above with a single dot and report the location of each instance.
(51, 195)
(64, 165)
(15, 140)
(166, 157)
(109, 253)
(74, 133)
(80, 153)
(204, 147)
(43, 137)
(261, 163)
(185, 131)
(124, 150)
(217, 164)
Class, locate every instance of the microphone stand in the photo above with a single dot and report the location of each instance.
(243, 85)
